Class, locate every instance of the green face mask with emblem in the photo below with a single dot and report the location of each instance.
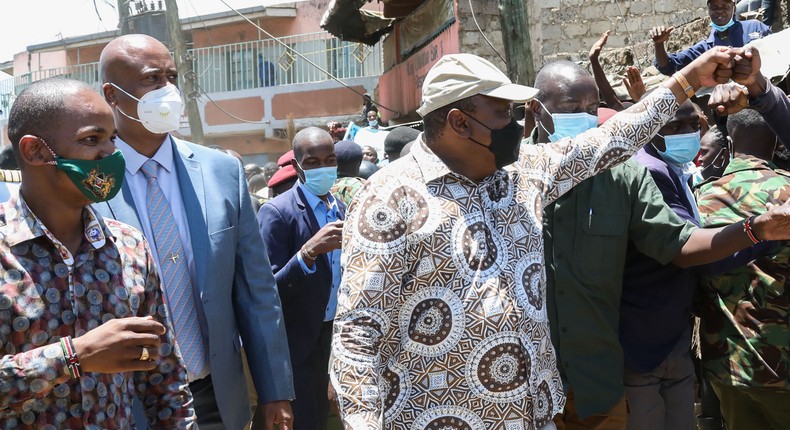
(99, 180)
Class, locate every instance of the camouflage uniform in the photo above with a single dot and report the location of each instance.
(345, 188)
(735, 355)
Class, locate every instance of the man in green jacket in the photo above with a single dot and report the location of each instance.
(584, 265)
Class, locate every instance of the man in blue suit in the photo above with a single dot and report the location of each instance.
(192, 204)
(302, 229)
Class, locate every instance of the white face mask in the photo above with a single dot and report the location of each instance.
(159, 110)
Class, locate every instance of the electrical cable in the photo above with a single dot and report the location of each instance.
(202, 92)
(471, 9)
(630, 36)
(298, 54)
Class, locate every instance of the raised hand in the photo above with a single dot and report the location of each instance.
(634, 84)
(747, 70)
(660, 34)
(595, 51)
(117, 345)
(711, 68)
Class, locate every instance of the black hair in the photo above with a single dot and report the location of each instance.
(398, 137)
(746, 120)
(719, 138)
(40, 108)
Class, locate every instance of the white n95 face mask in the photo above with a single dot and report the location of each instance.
(159, 110)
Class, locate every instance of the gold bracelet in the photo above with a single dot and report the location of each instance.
(307, 254)
(684, 84)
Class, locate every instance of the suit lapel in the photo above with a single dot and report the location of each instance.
(190, 182)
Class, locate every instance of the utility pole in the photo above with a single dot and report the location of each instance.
(123, 16)
(514, 21)
(184, 64)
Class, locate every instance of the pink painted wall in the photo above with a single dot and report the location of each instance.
(39, 61)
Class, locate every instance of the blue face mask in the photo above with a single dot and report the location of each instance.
(680, 148)
(724, 27)
(373, 123)
(569, 124)
(319, 181)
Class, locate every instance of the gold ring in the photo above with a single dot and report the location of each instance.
(144, 355)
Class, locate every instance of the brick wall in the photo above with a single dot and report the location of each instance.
(566, 29)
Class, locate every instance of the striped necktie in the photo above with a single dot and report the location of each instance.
(174, 272)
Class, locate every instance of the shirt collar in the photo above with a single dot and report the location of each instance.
(314, 201)
(135, 160)
(22, 225)
(742, 163)
(431, 166)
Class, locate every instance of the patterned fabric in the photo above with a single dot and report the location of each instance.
(442, 309)
(734, 354)
(47, 293)
(175, 275)
(10, 176)
(345, 188)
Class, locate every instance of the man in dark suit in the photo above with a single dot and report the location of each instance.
(302, 229)
(192, 204)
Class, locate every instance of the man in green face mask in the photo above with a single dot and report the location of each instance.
(81, 293)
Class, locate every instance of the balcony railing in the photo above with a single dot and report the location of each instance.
(256, 64)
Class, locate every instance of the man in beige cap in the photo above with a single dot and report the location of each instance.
(441, 319)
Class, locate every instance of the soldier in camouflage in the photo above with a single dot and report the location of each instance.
(745, 333)
(349, 157)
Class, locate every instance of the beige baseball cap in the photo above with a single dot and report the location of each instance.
(458, 76)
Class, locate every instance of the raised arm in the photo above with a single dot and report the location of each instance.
(556, 167)
(604, 87)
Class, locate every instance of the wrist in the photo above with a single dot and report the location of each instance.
(70, 356)
(757, 87)
(750, 230)
(308, 255)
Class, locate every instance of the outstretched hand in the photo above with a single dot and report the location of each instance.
(660, 34)
(634, 84)
(711, 68)
(747, 70)
(595, 51)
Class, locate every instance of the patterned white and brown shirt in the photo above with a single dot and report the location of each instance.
(442, 308)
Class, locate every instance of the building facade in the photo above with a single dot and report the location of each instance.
(248, 84)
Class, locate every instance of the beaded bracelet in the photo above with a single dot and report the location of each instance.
(747, 228)
(70, 355)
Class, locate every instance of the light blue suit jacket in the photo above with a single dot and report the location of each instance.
(234, 278)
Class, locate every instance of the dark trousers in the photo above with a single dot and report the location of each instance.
(311, 379)
(206, 407)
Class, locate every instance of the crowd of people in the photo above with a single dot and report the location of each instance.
(607, 264)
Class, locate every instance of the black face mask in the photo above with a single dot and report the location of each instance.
(505, 142)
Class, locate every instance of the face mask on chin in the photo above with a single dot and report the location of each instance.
(505, 142)
(98, 180)
(159, 110)
(722, 28)
(569, 124)
(680, 148)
